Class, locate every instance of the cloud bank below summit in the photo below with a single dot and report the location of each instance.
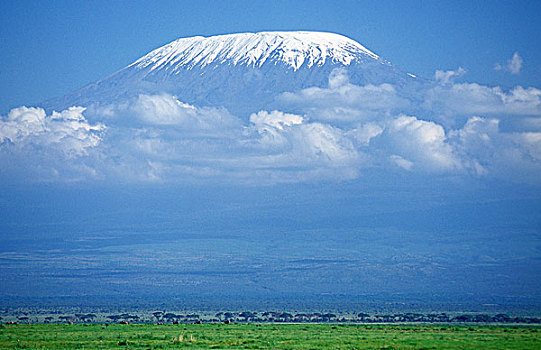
(316, 133)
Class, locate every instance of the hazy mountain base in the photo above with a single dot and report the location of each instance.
(343, 247)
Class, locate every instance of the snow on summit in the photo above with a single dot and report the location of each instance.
(242, 72)
(254, 49)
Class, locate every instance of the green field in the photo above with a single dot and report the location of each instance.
(267, 336)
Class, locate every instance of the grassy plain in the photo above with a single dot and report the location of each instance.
(267, 336)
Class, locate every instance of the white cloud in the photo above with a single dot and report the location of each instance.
(325, 143)
(345, 102)
(364, 133)
(275, 119)
(401, 162)
(338, 78)
(284, 141)
(513, 66)
(446, 77)
(179, 142)
(423, 143)
(166, 111)
(162, 110)
(530, 143)
(515, 156)
(67, 131)
(471, 98)
(35, 146)
(334, 132)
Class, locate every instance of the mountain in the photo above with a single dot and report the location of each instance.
(291, 48)
(242, 72)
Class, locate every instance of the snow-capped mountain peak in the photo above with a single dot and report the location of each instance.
(242, 72)
(255, 49)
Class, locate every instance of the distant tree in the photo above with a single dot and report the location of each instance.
(170, 316)
(316, 316)
(22, 318)
(301, 317)
(482, 318)
(285, 316)
(85, 317)
(463, 318)
(229, 315)
(502, 318)
(66, 318)
(114, 317)
(328, 317)
(247, 315)
(127, 316)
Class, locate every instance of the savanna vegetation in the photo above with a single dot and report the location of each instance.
(267, 336)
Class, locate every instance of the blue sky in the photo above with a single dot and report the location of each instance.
(52, 48)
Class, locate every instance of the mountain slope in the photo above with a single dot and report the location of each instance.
(242, 72)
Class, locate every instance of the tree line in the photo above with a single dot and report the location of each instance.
(163, 317)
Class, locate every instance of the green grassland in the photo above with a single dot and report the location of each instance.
(267, 336)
